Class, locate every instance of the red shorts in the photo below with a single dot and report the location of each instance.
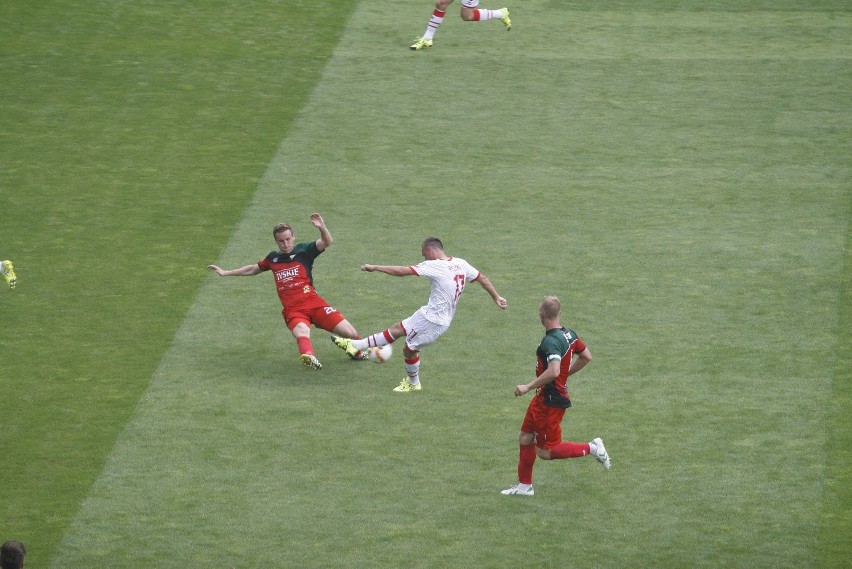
(315, 311)
(545, 422)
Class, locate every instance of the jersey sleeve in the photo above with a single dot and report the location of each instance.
(312, 249)
(423, 268)
(470, 273)
(264, 264)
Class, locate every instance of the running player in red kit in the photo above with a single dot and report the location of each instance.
(560, 354)
(291, 265)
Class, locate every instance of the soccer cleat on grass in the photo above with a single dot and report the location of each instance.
(421, 43)
(311, 361)
(9, 274)
(345, 344)
(507, 21)
(518, 491)
(601, 454)
(405, 386)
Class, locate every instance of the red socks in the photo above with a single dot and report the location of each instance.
(569, 450)
(562, 450)
(305, 346)
(525, 464)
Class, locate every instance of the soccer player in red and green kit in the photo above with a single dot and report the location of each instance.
(561, 353)
(292, 265)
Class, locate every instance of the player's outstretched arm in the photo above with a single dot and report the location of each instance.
(247, 271)
(393, 270)
(495, 296)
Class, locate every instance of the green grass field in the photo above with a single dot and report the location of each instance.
(677, 172)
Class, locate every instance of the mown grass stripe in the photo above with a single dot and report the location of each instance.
(692, 215)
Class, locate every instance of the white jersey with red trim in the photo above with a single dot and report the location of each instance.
(448, 278)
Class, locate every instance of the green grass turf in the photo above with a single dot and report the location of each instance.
(131, 137)
(678, 176)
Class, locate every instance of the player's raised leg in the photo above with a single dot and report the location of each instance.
(471, 13)
(351, 346)
(346, 330)
(484, 14)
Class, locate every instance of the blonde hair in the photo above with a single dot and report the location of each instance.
(551, 307)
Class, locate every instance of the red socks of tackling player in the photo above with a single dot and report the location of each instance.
(305, 345)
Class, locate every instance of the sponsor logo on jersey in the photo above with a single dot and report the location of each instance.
(285, 274)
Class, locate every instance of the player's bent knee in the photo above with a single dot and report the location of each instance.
(468, 14)
(409, 353)
(543, 453)
(301, 330)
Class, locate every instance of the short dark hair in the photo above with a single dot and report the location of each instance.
(433, 243)
(280, 228)
(12, 555)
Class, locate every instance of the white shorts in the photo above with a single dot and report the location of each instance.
(470, 3)
(420, 331)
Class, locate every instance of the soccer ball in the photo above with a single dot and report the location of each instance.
(380, 355)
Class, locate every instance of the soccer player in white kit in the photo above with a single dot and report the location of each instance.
(448, 277)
